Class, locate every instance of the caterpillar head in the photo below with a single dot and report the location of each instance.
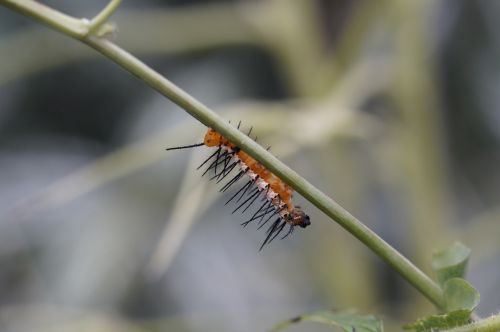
(299, 218)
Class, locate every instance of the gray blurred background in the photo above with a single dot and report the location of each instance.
(390, 107)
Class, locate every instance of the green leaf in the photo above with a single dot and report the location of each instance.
(348, 321)
(459, 294)
(440, 322)
(451, 262)
(460, 299)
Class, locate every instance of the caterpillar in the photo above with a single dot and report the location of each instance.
(275, 195)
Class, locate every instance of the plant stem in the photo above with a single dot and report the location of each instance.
(490, 324)
(202, 113)
(66, 24)
(103, 16)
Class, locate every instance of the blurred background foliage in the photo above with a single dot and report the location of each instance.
(388, 106)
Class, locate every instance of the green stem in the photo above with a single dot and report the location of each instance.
(103, 16)
(73, 27)
(209, 118)
(490, 324)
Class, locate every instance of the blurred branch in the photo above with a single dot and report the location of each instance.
(206, 116)
(190, 203)
(420, 142)
(290, 30)
(355, 32)
(97, 173)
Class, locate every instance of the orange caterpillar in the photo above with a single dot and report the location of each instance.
(277, 196)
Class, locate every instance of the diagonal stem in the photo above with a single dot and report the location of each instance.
(76, 29)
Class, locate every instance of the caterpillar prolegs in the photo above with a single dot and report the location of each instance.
(274, 196)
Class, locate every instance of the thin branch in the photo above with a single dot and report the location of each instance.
(209, 118)
(100, 19)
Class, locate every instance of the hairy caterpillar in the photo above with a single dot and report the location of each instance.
(272, 191)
